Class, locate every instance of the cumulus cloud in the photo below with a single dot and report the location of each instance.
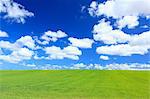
(18, 55)
(26, 41)
(120, 8)
(120, 43)
(81, 43)
(126, 12)
(69, 52)
(129, 21)
(3, 34)
(137, 44)
(7, 45)
(122, 50)
(14, 11)
(141, 40)
(104, 32)
(52, 36)
(102, 57)
(19, 50)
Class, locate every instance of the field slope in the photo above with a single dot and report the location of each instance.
(74, 84)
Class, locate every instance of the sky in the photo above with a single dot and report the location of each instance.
(75, 34)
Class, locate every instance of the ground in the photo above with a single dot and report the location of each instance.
(74, 84)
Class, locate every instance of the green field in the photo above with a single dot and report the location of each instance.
(74, 84)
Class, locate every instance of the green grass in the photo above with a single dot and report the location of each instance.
(74, 84)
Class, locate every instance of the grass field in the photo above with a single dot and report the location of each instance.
(74, 84)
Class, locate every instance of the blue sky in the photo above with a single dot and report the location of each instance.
(74, 34)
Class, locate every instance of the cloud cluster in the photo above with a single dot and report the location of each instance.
(81, 43)
(104, 32)
(132, 66)
(27, 45)
(18, 55)
(126, 13)
(20, 50)
(14, 11)
(84, 66)
(51, 36)
(129, 21)
(69, 52)
(136, 44)
(114, 66)
(72, 67)
(115, 41)
(120, 8)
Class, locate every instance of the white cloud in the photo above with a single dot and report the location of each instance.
(130, 21)
(69, 52)
(51, 67)
(14, 11)
(122, 50)
(81, 43)
(137, 44)
(120, 8)
(93, 8)
(103, 31)
(18, 55)
(53, 36)
(26, 41)
(78, 66)
(138, 66)
(118, 67)
(30, 65)
(55, 52)
(124, 44)
(132, 66)
(114, 66)
(7, 45)
(19, 50)
(86, 66)
(141, 40)
(23, 52)
(126, 12)
(39, 41)
(3, 34)
(73, 66)
(104, 57)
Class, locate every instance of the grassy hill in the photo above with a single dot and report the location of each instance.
(74, 84)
